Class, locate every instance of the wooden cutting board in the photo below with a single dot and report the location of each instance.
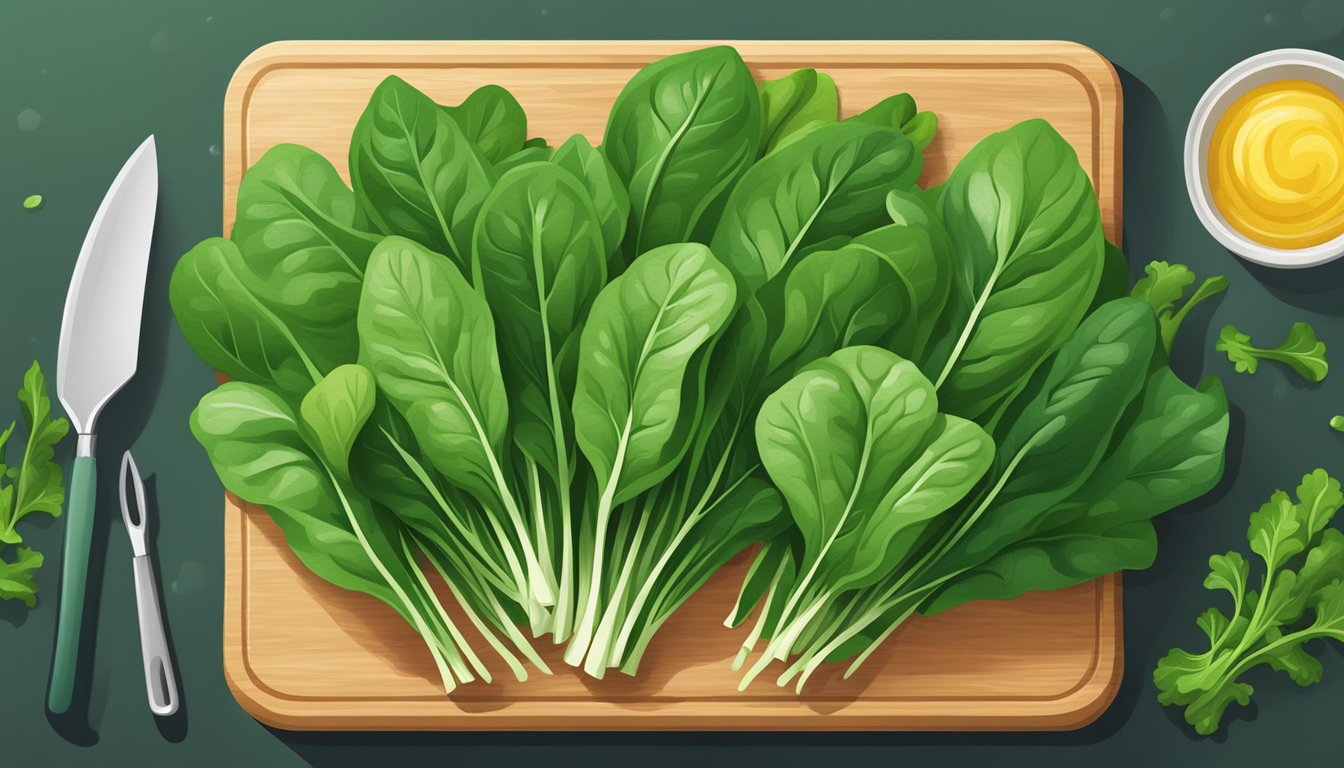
(301, 654)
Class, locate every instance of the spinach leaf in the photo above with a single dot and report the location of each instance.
(1114, 282)
(680, 134)
(638, 357)
(642, 334)
(831, 300)
(540, 260)
(899, 111)
(797, 102)
(429, 339)
(1048, 443)
(301, 253)
(492, 119)
(604, 187)
(856, 445)
(833, 181)
(257, 445)
(523, 156)
(1024, 223)
(232, 328)
(1059, 428)
(1171, 453)
(416, 173)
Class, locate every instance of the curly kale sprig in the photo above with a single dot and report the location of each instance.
(1303, 575)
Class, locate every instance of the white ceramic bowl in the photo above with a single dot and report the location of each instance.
(1283, 64)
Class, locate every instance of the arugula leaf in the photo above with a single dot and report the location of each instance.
(1266, 625)
(1164, 286)
(39, 487)
(16, 578)
(1301, 351)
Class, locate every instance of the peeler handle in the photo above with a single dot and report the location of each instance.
(160, 680)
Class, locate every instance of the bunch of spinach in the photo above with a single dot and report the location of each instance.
(573, 383)
(1092, 434)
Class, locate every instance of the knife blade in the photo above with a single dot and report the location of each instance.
(99, 352)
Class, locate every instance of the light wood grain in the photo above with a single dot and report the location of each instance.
(301, 654)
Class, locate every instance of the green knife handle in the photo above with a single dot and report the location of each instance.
(74, 577)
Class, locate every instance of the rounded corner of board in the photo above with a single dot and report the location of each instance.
(1095, 693)
(254, 66)
(1093, 65)
(251, 695)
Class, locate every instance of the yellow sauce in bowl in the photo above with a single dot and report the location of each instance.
(1276, 165)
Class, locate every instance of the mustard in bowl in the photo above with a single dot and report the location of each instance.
(1265, 159)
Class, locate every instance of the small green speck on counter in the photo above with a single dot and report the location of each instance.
(32, 202)
(1337, 423)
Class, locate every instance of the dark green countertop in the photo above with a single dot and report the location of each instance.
(82, 83)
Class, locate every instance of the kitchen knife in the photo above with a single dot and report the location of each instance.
(100, 345)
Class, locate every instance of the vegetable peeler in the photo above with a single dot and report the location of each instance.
(160, 680)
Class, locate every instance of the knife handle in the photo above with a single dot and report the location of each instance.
(160, 680)
(74, 577)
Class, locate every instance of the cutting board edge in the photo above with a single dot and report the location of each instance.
(1092, 70)
(1081, 706)
(1074, 709)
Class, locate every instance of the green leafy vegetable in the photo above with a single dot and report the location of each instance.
(900, 112)
(639, 355)
(681, 133)
(32, 203)
(572, 384)
(429, 339)
(857, 446)
(610, 200)
(1022, 218)
(263, 454)
(1301, 598)
(1301, 351)
(541, 259)
(16, 578)
(416, 173)
(1114, 283)
(831, 182)
(493, 120)
(1337, 423)
(1164, 287)
(32, 486)
(796, 103)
